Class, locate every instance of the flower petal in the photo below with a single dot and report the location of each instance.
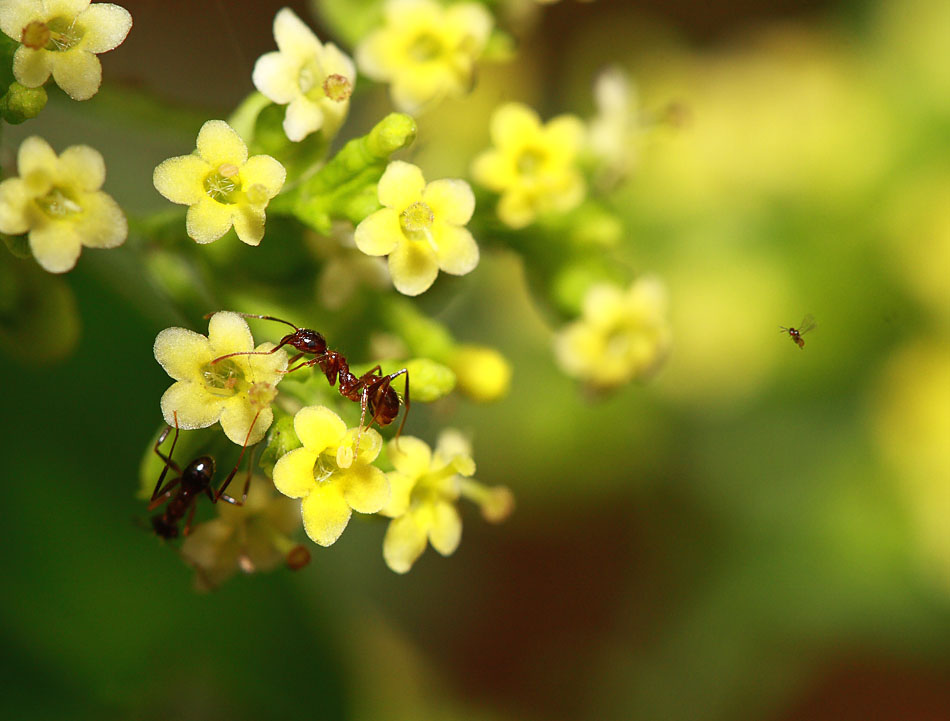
(78, 72)
(181, 179)
(410, 455)
(248, 224)
(66, 8)
(319, 428)
(36, 155)
(228, 333)
(102, 224)
(181, 352)
(513, 124)
(31, 68)
(400, 492)
(404, 542)
(207, 220)
(293, 473)
(564, 135)
(195, 407)
(14, 16)
(14, 197)
(370, 442)
(517, 209)
(218, 143)
(56, 245)
(401, 185)
(275, 76)
(457, 251)
(106, 26)
(266, 368)
(365, 487)
(452, 201)
(494, 170)
(445, 530)
(302, 118)
(413, 267)
(293, 36)
(83, 167)
(241, 422)
(325, 514)
(379, 233)
(265, 171)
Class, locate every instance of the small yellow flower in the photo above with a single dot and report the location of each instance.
(482, 373)
(313, 80)
(532, 165)
(425, 51)
(63, 37)
(425, 488)
(622, 335)
(57, 201)
(233, 391)
(420, 228)
(253, 537)
(330, 477)
(221, 185)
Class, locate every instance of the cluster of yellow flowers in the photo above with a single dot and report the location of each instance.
(537, 178)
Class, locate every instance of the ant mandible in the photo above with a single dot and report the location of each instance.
(808, 323)
(372, 390)
(183, 492)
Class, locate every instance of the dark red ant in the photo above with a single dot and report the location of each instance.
(371, 390)
(185, 490)
(808, 323)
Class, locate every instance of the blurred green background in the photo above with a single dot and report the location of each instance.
(758, 533)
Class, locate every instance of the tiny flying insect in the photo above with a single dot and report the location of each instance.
(808, 323)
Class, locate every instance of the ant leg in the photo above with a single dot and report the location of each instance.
(164, 495)
(169, 463)
(261, 317)
(405, 399)
(250, 352)
(191, 517)
(227, 481)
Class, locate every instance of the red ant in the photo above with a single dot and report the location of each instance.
(371, 390)
(190, 484)
(807, 324)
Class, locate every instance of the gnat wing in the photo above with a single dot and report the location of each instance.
(808, 323)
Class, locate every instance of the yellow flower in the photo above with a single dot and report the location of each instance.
(221, 185)
(425, 51)
(482, 373)
(622, 335)
(329, 475)
(63, 37)
(420, 228)
(314, 81)
(58, 202)
(253, 537)
(425, 489)
(532, 165)
(233, 391)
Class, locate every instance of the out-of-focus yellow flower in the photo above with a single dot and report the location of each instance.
(235, 391)
(421, 228)
(328, 473)
(482, 373)
(313, 80)
(912, 419)
(221, 185)
(253, 537)
(425, 51)
(57, 201)
(532, 165)
(621, 335)
(425, 488)
(63, 37)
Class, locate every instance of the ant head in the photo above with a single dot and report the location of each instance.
(308, 341)
(201, 468)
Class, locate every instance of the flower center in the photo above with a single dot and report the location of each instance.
(224, 184)
(222, 379)
(323, 469)
(310, 77)
(425, 48)
(416, 218)
(63, 34)
(58, 204)
(530, 161)
(337, 87)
